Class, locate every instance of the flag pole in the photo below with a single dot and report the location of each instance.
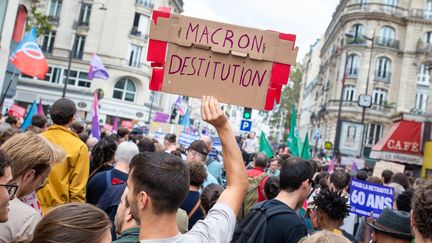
(3, 97)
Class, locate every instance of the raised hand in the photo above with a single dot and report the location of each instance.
(212, 113)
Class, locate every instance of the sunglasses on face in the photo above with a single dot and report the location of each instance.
(12, 189)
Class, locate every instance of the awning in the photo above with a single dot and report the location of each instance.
(402, 143)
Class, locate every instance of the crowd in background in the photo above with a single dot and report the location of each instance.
(60, 184)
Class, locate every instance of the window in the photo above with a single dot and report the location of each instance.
(48, 42)
(421, 101)
(78, 47)
(387, 35)
(53, 75)
(374, 133)
(77, 78)
(428, 37)
(383, 69)
(357, 30)
(379, 96)
(85, 12)
(156, 97)
(352, 65)
(124, 89)
(145, 3)
(134, 56)
(361, 1)
(54, 8)
(349, 93)
(392, 3)
(423, 77)
(140, 25)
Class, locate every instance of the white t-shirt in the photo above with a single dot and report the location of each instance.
(251, 145)
(218, 226)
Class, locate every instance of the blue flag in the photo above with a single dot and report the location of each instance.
(27, 120)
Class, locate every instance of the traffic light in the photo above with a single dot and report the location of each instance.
(247, 113)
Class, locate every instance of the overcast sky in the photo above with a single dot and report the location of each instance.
(308, 19)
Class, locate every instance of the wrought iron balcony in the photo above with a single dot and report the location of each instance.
(421, 14)
(391, 43)
(384, 77)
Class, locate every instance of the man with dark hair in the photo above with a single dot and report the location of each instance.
(191, 204)
(68, 180)
(146, 145)
(123, 134)
(287, 226)
(339, 181)
(39, 121)
(386, 176)
(7, 190)
(197, 152)
(260, 165)
(421, 213)
(401, 179)
(77, 127)
(158, 184)
(170, 141)
(362, 175)
(331, 208)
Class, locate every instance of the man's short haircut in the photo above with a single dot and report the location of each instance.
(146, 145)
(422, 210)
(13, 120)
(198, 173)
(261, 160)
(122, 132)
(401, 179)
(126, 151)
(62, 111)
(171, 138)
(340, 180)
(77, 127)
(39, 121)
(5, 161)
(164, 177)
(332, 203)
(272, 187)
(387, 175)
(403, 201)
(294, 172)
(362, 175)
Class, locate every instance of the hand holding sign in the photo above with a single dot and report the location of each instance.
(212, 113)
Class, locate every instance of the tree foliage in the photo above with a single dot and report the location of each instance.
(39, 21)
(280, 117)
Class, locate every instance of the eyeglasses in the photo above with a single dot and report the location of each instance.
(44, 182)
(12, 189)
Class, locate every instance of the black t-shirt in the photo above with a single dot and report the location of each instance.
(98, 184)
(188, 204)
(284, 227)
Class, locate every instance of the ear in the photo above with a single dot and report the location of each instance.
(413, 224)
(142, 200)
(28, 174)
(128, 215)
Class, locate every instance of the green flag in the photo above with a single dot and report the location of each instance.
(306, 149)
(293, 140)
(265, 146)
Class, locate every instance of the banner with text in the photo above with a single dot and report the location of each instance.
(367, 197)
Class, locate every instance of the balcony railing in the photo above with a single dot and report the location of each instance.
(352, 73)
(425, 48)
(356, 41)
(384, 77)
(139, 34)
(53, 19)
(77, 54)
(391, 43)
(381, 8)
(421, 14)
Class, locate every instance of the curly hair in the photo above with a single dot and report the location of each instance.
(422, 210)
(332, 203)
(198, 173)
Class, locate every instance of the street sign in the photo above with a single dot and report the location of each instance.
(245, 126)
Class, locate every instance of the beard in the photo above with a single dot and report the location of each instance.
(134, 211)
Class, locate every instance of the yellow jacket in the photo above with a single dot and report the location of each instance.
(68, 179)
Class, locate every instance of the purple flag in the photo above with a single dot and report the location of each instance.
(354, 167)
(97, 69)
(40, 108)
(115, 127)
(179, 105)
(95, 131)
(332, 165)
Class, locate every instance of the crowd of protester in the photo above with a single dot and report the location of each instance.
(60, 184)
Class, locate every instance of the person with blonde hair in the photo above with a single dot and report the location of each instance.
(325, 236)
(32, 157)
(73, 223)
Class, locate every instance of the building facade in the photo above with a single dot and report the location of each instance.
(117, 31)
(385, 48)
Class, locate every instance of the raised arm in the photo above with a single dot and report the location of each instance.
(233, 162)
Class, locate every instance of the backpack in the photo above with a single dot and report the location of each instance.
(254, 227)
(251, 196)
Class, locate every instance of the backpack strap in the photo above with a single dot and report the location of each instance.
(108, 178)
(191, 213)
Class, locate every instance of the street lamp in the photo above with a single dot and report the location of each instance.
(72, 50)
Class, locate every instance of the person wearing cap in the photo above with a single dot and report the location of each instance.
(392, 226)
(197, 152)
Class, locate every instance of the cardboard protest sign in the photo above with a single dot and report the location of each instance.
(237, 65)
(384, 165)
(159, 129)
(367, 197)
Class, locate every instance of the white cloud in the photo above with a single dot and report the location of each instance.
(308, 19)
